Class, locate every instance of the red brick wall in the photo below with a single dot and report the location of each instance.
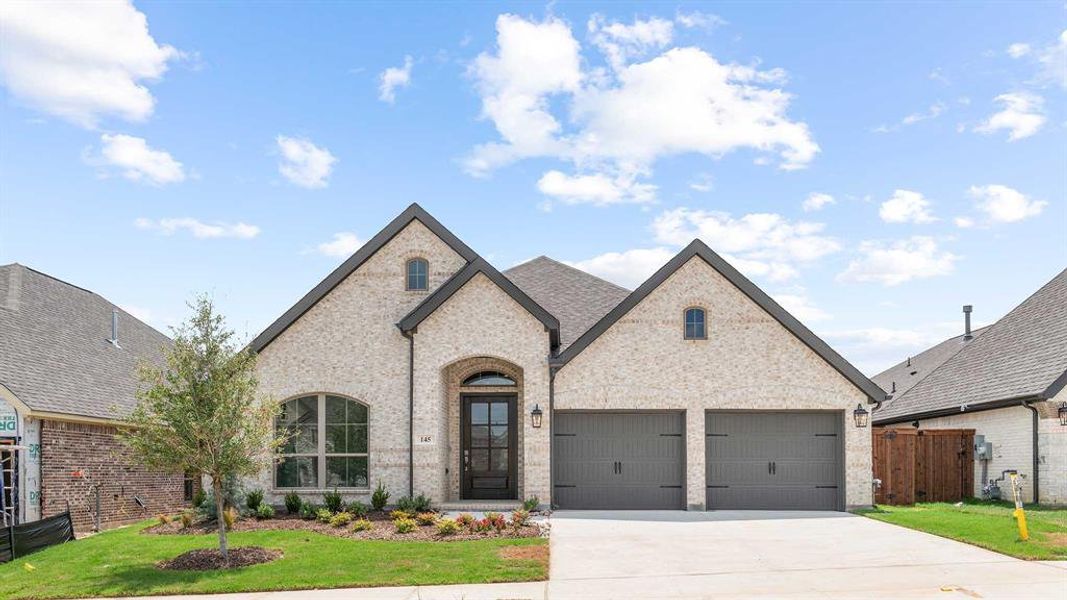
(95, 452)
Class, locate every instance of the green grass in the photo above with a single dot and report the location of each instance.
(122, 563)
(986, 524)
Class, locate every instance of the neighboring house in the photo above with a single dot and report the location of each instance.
(1006, 382)
(418, 366)
(67, 378)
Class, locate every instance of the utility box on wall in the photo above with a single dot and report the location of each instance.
(983, 450)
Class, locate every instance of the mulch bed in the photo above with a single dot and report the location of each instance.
(383, 529)
(211, 559)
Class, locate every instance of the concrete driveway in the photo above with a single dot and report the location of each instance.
(746, 554)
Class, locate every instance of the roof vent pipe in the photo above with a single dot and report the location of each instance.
(967, 308)
(114, 327)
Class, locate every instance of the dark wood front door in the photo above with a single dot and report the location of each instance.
(489, 457)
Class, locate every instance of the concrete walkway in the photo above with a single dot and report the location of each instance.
(740, 554)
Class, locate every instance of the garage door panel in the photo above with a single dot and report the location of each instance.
(773, 460)
(619, 460)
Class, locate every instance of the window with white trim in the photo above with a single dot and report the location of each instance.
(326, 446)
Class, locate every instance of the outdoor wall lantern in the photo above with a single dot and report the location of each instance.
(1063, 413)
(860, 415)
(535, 417)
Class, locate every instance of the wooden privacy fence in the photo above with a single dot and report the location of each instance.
(923, 465)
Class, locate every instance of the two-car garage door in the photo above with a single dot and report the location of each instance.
(753, 460)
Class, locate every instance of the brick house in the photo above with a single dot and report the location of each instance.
(1006, 381)
(419, 366)
(67, 378)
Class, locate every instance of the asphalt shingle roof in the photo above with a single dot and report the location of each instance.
(911, 371)
(54, 350)
(573, 296)
(1019, 356)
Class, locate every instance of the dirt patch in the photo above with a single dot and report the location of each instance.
(538, 553)
(1055, 540)
(382, 529)
(211, 559)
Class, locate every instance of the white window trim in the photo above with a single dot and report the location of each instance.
(321, 451)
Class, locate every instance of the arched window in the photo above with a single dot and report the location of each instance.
(696, 324)
(326, 446)
(486, 378)
(418, 277)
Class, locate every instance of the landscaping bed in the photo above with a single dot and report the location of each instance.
(987, 524)
(210, 559)
(383, 527)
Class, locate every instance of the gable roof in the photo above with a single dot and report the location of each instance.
(439, 296)
(1023, 356)
(55, 353)
(575, 297)
(413, 212)
(699, 249)
(914, 369)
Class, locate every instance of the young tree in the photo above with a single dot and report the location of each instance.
(201, 412)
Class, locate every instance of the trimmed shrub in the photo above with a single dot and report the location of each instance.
(481, 525)
(530, 504)
(398, 514)
(447, 527)
(496, 521)
(380, 498)
(293, 503)
(253, 500)
(406, 504)
(405, 525)
(357, 508)
(421, 503)
(265, 511)
(307, 510)
(465, 519)
(361, 525)
(323, 515)
(425, 518)
(520, 518)
(341, 519)
(333, 501)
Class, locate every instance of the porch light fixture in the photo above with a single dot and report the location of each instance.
(1063, 413)
(860, 415)
(535, 417)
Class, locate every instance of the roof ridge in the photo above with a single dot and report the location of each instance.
(984, 338)
(56, 279)
(572, 268)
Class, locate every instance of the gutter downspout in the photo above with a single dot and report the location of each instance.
(410, 335)
(551, 438)
(1036, 467)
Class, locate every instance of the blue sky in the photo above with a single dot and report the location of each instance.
(872, 166)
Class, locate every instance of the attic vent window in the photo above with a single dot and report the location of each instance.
(488, 378)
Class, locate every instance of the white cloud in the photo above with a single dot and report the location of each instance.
(137, 161)
(596, 189)
(1053, 62)
(799, 305)
(343, 245)
(703, 182)
(620, 43)
(699, 20)
(199, 229)
(906, 206)
(393, 78)
(1002, 204)
(620, 121)
(963, 222)
(1023, 115)
(303, 163)
(938, 75)
(764, 244)
(894, 263)
(627, 269)
(933, 112)
(81, 60)
(817, 201)
(1018, 50)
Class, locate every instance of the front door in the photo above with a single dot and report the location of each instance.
(489, 459)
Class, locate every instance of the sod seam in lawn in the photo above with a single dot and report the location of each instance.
(122, 563)
(989, 525)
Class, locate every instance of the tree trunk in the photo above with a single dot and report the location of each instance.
(216, 487)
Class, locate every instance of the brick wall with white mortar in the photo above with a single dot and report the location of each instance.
(749, 361)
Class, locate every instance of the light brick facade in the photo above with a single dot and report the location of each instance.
(348, 344)
(749, 361)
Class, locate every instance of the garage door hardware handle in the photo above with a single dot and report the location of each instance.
(826, 487)
(566, 434)
(771, 468)
(718, 487)
(560, 485)
(825, 435)
(670, 435)
(673, 487)
(717, 435)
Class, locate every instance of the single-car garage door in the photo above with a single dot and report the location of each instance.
(774, 460)
(619, 460)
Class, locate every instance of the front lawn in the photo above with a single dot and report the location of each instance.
(986, 524)
(122, 563)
